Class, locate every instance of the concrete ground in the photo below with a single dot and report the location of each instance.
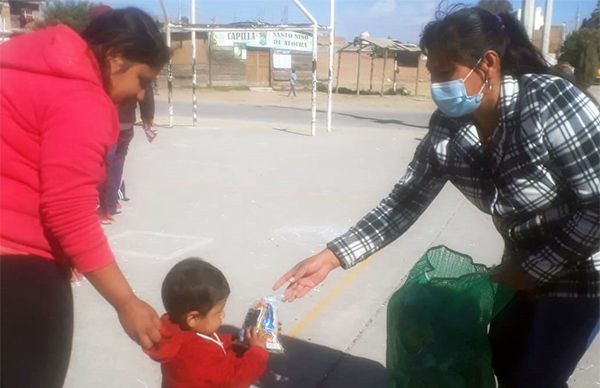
(249, 191)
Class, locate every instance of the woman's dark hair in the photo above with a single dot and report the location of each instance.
(129, 32)
(192, 285)
(464, 34)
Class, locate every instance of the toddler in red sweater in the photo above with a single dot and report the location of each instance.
(191, 353)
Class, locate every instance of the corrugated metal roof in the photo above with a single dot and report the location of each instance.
(384, 43)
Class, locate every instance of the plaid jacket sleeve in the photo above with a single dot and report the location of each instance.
(570, 125)
(394, 214)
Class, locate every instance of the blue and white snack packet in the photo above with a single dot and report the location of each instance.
(263, 316)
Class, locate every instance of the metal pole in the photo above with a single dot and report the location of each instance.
(383, 76)
(525, 14)
(532, 18)
(210, 59)
(169, 66)
(547, 27)
(417, 80)
(201, 28)
(331, 59)
(529, 17)
(371, 74)
(358, 70)
(337, 77)
(395, 72)
(315, 31)
(194, 79)
(170, 79)
(313, 110)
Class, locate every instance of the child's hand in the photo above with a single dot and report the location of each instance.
(256, 337)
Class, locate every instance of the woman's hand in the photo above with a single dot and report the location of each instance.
(513, 276)
(140, 322)
(150, 133)
(307, 274)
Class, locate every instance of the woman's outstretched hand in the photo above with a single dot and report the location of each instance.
(307, 274)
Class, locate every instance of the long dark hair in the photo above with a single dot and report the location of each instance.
(465, 34)
(129, 32)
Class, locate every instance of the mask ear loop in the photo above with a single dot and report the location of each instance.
(486, 82)
(473, 69)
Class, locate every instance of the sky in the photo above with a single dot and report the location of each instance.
(400, 19)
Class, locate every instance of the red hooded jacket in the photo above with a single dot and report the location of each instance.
(57, 123)
(191, 361)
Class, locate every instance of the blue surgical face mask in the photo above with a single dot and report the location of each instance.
(452, 99)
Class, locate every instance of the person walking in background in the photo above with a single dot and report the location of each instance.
(58, 121)
(115, 158)
(293, 81)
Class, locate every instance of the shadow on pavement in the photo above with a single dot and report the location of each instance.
(383, 121)
(292, 132)
(308, 365)
(354, 116)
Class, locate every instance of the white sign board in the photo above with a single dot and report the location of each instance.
(282, 40)
(282, 61)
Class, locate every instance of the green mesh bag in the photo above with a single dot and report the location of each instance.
(437, 324)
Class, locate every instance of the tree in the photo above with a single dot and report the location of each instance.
(496, 6)
(594, 20)
(75, 14)
(582, 50)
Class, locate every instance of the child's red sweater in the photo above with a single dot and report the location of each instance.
(190, 360)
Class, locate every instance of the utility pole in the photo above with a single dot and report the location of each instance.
(284, 15)
(547, 27)
(331, 58)
(169, 65)
(194, 75)
(528, 16)
(315, 32)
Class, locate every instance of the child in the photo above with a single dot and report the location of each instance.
(191, 353)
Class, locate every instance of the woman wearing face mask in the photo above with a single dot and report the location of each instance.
(58, 97)
(524, 147)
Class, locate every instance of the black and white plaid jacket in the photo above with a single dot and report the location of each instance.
(540, 183)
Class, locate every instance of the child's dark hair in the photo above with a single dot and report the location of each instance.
(129, 32)
(464, 34)
(192, 285)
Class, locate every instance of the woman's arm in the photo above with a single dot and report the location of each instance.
(388, 221)
(138, 319)
(74, 141)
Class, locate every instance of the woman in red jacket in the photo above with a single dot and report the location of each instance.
(58, 97)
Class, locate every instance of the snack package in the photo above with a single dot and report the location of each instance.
(264, 317)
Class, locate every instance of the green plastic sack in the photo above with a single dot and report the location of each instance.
(437, 324)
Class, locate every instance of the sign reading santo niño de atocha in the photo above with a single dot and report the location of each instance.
(282, 40)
